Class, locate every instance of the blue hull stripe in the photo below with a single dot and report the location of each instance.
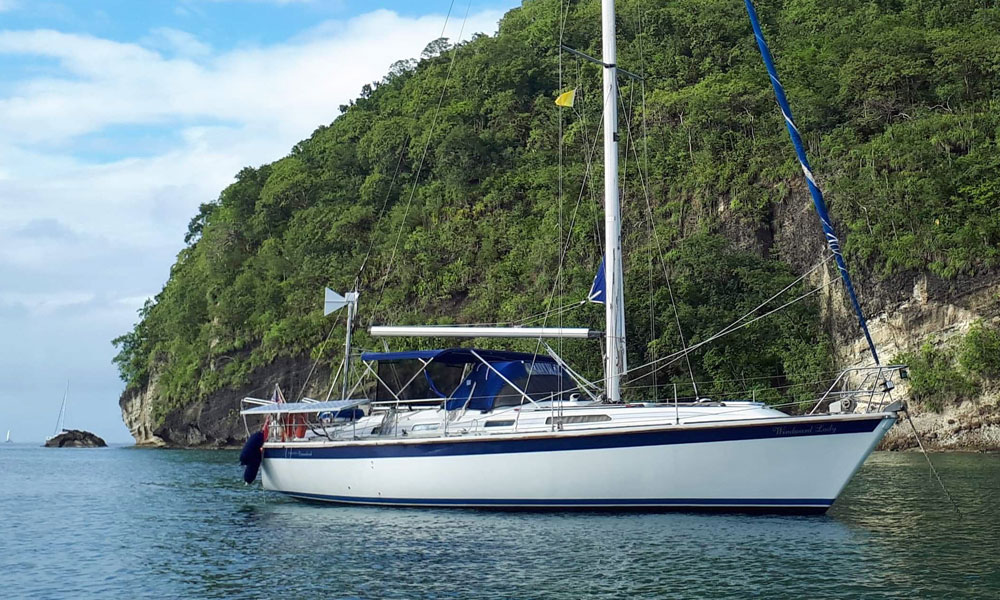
(572, 502)
(471, 446)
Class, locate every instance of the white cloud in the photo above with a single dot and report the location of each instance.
(231, 109)
(134, 302)
(292, 87)
(180, 42)
(265, 1)
(187, 7)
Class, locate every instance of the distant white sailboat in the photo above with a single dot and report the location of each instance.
(61, 419)
(8, 436)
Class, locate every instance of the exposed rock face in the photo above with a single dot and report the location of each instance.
(74, 438)
(926, 308)
(922, 306)
(215, 421)
(903, 311)
(137, 412)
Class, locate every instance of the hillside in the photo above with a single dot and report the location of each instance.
(459, 214)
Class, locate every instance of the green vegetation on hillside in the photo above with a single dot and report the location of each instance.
(896, 100)
(943, 373)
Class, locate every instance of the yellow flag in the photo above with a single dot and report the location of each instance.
(566, 98)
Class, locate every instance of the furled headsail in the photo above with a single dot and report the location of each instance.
(800, 152)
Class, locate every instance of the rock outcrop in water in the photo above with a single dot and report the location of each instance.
(75, 438)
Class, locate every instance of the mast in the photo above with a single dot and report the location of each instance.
(614, 306)
(61, 419)
(332, 302)
(352, 303)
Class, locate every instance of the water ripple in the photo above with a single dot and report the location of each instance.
(132, 523)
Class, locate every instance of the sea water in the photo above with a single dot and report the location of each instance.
(141, 523)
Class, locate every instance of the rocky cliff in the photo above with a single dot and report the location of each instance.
(214, 421)
(904, 312)
(455, 221)
(924, 309)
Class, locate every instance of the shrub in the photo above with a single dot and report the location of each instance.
(979, 351)
(934, 377)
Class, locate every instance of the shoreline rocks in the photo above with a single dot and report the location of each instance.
(972, 426)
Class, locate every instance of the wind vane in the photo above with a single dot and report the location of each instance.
(334, 301)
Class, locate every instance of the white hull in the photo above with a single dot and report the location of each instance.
(789, 463)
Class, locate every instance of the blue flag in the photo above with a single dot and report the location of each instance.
(598, 291)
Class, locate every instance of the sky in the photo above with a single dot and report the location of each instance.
(117, 119)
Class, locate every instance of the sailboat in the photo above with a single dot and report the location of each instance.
(7, 441)
(61, 417)
(465, 427)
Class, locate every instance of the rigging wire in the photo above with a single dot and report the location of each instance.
(782, 291)
(381, 212)
(735, 325)
(735, 390)
(562, 254)
(645, 166)
(585, 185)
(316, 361)
(656, 238)
(427, 143)
(558, 311)
(686, 350)
(566, 241)
(726, 331)
(565, 248)
(591, 189)
(732, 327)
(520, 322)
(563, 12)
(385, 201)
(564, 245)
(361, 269)
(930, 464)
(765, 377)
